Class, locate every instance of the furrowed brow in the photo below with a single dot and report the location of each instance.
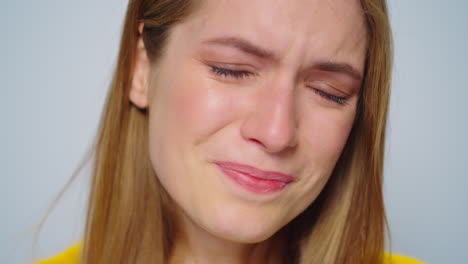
(343, 68)
(244, 46)
(252, 49)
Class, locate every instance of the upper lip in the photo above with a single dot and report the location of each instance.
(257, 173)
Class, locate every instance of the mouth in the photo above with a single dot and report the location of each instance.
(253, 179)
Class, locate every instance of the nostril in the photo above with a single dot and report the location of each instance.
(257, 141)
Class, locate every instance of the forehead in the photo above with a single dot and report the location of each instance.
(295, 29)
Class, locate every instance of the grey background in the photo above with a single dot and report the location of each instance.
(56, 61)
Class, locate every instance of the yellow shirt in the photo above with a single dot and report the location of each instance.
(70, 256)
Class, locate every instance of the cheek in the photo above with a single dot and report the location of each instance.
(185, 111)
(324, 125)
(325, 134)
(197, 109)
(334, 130)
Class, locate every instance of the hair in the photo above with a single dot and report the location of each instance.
(129, 218)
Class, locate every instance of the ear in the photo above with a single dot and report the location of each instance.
(139, 85)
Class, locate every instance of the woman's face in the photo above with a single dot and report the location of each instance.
(250, 107)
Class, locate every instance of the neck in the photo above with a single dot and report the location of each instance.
(193, 245)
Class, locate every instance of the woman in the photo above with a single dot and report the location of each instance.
(243, 132)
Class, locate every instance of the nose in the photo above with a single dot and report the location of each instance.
(272, 121)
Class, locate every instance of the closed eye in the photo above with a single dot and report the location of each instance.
(238, 74)
(228, 73)
(341, 100)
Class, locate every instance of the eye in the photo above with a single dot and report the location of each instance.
(341, 100)
(228, 73)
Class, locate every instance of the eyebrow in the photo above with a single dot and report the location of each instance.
(343, 68)
(248, 47)
(245, 46)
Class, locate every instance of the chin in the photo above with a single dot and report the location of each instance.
(240, 227)
(241, 235)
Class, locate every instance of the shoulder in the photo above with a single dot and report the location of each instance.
(69, 256)
(398, 259)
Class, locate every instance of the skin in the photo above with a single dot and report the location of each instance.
(274, 118)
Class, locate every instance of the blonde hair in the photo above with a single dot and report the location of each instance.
(129, 213)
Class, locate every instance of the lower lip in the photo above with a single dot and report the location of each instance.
(256, 185)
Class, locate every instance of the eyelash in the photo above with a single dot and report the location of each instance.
(223, 72)
(341, 100)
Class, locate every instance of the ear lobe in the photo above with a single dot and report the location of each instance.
(139, 85)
